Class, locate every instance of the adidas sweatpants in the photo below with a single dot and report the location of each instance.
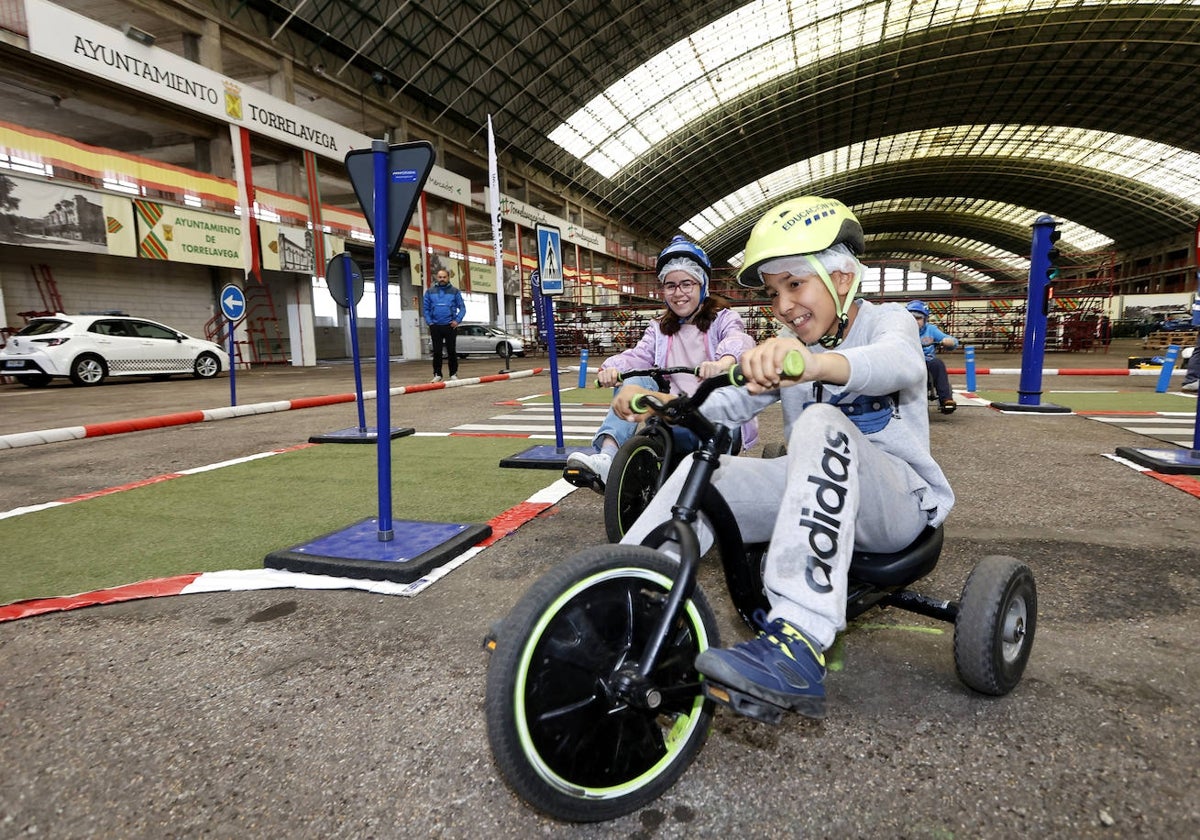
(833, 492)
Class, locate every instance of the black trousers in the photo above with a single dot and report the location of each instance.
(444, 333)
(941, 381)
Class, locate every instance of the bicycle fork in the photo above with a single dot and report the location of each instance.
(633, 682)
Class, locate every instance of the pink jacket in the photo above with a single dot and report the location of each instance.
(726, 336)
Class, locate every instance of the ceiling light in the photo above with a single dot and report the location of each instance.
(139, 35)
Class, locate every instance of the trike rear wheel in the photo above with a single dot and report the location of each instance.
(561, 737)
(633, 480)
(997, 618)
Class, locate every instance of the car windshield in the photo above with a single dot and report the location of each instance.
(44, 326)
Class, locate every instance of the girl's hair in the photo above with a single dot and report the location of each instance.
(669, 322)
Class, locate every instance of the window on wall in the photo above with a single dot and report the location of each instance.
(442, 216)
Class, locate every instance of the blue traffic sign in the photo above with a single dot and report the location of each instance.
(233, 302)
(404, 167)
(550, 265)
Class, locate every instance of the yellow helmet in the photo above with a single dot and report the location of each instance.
(799, 226)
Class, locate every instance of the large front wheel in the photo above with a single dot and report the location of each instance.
(633, 480)
(561, 734)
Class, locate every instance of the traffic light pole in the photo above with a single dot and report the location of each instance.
(1033, 353)
(1042, 270)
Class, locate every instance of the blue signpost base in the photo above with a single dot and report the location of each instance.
(357, 552)
(1167, 461)
(358, 435)
(1022, 408)
(545, 457)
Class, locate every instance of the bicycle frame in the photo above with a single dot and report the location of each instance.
(631, 685)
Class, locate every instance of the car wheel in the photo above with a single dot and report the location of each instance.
(504, 350)
(207, 366)
(88, 370)
(35, 380)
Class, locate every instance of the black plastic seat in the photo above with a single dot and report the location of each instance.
(902, 567)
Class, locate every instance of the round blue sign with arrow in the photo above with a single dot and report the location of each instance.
(233, 303)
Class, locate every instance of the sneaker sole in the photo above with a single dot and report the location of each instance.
(743, 695)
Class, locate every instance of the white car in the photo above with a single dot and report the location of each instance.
(89, 348)
(482, 338)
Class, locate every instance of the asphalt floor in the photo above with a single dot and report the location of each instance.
(350, 714)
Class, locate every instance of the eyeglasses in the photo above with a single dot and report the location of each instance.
(686, 286)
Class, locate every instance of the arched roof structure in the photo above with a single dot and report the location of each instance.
(697, 116)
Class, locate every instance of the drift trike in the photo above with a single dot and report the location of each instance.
(593, 705)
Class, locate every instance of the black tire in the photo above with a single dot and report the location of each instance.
(562, 742)
(206, 367)
(88, 369)
(504, 350)
(632, 483)
(34, 380)
(997, 618)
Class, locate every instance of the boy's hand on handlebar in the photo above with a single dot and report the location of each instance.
(763, 366)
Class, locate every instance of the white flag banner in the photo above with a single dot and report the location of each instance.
(494, 209)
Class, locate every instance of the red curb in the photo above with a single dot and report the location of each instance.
(315, 402)
(116, 427)
(108, 491)
(114, 595)
(1187, 483)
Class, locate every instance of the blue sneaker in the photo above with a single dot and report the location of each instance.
(781, 667)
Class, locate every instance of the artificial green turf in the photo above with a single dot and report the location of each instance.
(1112, 401)
(576, 396)
(231, 518)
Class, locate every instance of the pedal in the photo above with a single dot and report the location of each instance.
(744, 704)
(492, 637)
(585, 478)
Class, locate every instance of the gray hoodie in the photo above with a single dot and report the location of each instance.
(885, 360)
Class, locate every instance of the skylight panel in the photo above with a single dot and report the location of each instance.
(1156, 165)
(744, 49)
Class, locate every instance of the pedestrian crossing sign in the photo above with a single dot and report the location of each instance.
(550, 259)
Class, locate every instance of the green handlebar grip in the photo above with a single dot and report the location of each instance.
(793, 368)
(793, 364)
(638, 404)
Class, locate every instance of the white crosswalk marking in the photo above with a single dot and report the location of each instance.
(538, 421)
(1176, 427)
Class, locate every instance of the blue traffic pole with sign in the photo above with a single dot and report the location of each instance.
(383, 398)
(232, 301)
(388, 181)
(547, 282)
(1041, 271)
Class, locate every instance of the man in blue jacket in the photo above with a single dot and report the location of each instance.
(444, 309)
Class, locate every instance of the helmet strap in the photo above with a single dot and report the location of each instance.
(842, 306)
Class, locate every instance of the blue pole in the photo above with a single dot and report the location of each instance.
(1168, 367)
(583, 360)
(1196, 430)
(1033, 354)
(383, 400)
(969, 353)
(232, 367)
(558, 429)
(348, 270)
